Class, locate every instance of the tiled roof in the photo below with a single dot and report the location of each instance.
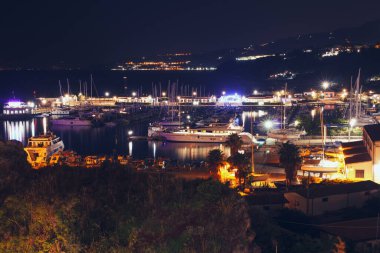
(359, 158)
(266, 199)
(319, 190)
(373, 131)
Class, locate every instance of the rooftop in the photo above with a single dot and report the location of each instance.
(319, 190)
(355, 151)
(347, 145)
(267, 199)
(373, 131)
(358, 158)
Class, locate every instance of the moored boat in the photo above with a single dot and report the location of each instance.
(40, 148)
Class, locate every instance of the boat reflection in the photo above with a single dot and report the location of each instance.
(107, 141)
(19, 130)
(185, 151)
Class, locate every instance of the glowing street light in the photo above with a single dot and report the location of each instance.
(107, 94)
(255, 92)
(296, 123)
(353, 122)
(223, 93)
(325, 85)
(134, 94)
(164, 94)
(130, 132)
(194, 93)
(268, 124)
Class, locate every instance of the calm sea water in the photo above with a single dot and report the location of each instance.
(109, 140)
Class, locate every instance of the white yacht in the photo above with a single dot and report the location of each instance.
(211, 134)
(41, 148)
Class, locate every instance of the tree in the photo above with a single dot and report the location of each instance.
(234, 142)
(290, 159)
(214, 159)
(241, 162)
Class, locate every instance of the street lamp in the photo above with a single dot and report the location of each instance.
(325, 85)
(223, 93)
(164, 94)
(194, 93)
(352, 124)
(134, 94)
(107, 94)
(268, 124)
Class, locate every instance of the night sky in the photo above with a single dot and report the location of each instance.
(90, 32)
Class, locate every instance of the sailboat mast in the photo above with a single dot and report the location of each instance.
(60, 87)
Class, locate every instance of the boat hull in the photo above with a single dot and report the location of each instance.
(71, 122)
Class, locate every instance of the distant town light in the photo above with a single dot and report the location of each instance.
(325, 85)
(164, 94)
(255, 92)
(134, 94)
(194, 93)
(107, 94)
(223, 93)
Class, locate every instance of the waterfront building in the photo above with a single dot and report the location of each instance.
(362, 158)
(16, 109)
(319, 199)
(371, 139)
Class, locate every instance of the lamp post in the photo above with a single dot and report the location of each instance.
(352, 125)
(268, 125)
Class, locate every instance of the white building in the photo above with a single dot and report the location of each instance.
(320, 199)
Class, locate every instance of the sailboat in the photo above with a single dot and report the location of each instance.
(285, 134)
(355, 110)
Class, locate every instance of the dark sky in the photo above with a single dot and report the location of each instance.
(88, 32)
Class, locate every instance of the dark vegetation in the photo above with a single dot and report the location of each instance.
(114, 209)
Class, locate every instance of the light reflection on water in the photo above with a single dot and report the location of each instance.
(108, 140)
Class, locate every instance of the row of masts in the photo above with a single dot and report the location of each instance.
(174, 90)
(355, 107)
(83, 88)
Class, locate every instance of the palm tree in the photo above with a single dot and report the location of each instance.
(290, 159)
(234, 142)
(241, 162)
(214, 159)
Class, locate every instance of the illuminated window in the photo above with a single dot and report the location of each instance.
(359, 173)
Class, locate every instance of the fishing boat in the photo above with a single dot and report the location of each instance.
(40, 148)
(286, 134)
(71, 121)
